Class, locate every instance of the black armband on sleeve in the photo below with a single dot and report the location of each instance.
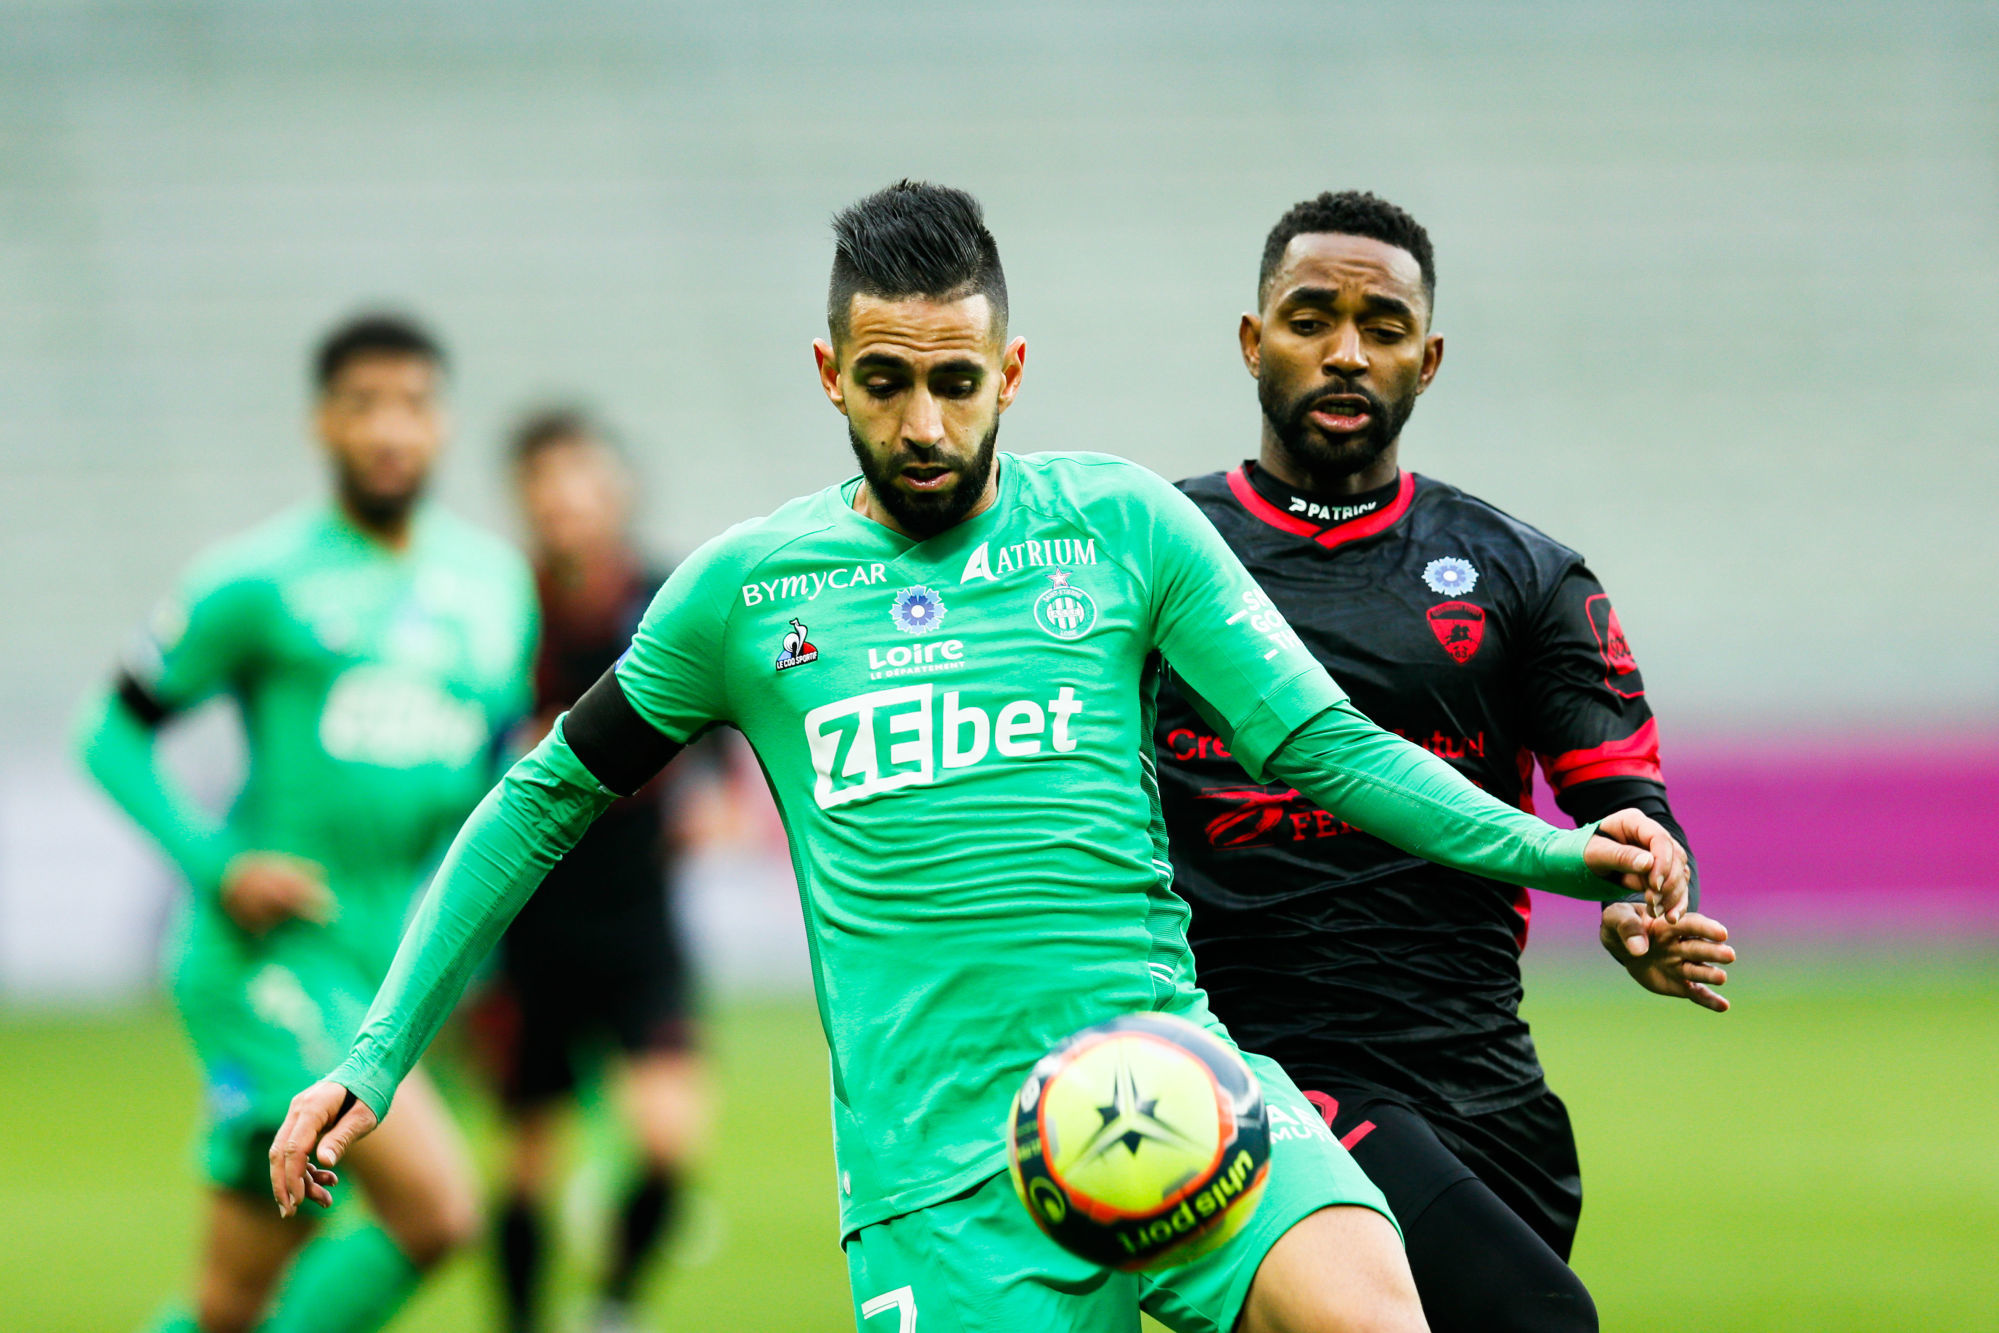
(1587, 801)
(141, 702)
(620, 748)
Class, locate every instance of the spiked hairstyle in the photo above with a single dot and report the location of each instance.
(913, 239)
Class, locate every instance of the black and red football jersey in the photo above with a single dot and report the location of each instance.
(1473, 635)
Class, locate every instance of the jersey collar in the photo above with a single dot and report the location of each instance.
(1337, 535)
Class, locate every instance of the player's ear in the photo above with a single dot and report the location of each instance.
(1013, 364)
(829, 373)
(1250, 334)
(1433, 357)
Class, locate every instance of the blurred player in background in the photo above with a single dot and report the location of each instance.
(1388, 986)
(377, 648)
(594, 961)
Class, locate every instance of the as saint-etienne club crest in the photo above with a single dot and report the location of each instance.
(797, 649)
(1065, 611)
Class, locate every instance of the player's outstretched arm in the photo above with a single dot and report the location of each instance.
(1407, 796)
(1684, 959)
(517, 834)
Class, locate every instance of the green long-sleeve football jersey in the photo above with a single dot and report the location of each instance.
(957, 732)
(372, 685)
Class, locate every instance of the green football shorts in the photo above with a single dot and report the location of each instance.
(979, 1264)
(263, 1033)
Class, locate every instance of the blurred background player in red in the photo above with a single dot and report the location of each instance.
(1387, 986)
(594, 965)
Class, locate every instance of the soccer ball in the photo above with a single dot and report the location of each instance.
(1140, 1143)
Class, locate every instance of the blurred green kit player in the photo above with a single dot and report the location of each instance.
(377, 647)
(947, 667)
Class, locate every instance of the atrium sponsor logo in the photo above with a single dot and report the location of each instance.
(907, 735)
(813, 582)
(988, 563)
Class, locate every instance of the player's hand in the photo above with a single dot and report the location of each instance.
(1637, 852)
(323, 1122)
(1683, 959)
(262, 889)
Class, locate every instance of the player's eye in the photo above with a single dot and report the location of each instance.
(1305, 328)
(959, 388)
(1387, 333)
(882, 388)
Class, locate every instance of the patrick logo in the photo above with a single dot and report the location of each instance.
(1459, 627)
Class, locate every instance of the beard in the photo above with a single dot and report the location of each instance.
(1328, 461)
(925, 515)
(377, 509)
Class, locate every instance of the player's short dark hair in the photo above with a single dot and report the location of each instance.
(547, 428)
(914, 239)
(1349, 213)
(374, 334)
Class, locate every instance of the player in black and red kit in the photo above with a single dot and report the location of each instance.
(594, 964)
(1387, 986)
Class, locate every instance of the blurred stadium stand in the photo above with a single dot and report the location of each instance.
(1720, 282)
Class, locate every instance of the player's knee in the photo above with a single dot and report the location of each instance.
(228, 1307)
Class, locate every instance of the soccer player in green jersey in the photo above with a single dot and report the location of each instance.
(947, 667)
(376, 647)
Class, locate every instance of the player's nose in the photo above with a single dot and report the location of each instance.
(1345, 353)
(923, 421)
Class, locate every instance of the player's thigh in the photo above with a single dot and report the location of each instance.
(1341, 1270)
(978, 1264)
(417, 1174)
(245, 1247)
(1527, 1156)
(1481, 1269)
(1314, 1187)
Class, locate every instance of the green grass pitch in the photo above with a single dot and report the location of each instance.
(1822, 1158)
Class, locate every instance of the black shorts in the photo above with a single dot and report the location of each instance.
(1525, 1154)
(563, 1003)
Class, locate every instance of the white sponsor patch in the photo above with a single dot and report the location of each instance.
(989, 563)
(809, 585)
(377, 715)
(905, 736)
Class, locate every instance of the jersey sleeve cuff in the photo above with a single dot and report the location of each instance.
(373, 1089)
(1570, 875)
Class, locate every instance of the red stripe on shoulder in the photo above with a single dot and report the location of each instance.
(1636, 756)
